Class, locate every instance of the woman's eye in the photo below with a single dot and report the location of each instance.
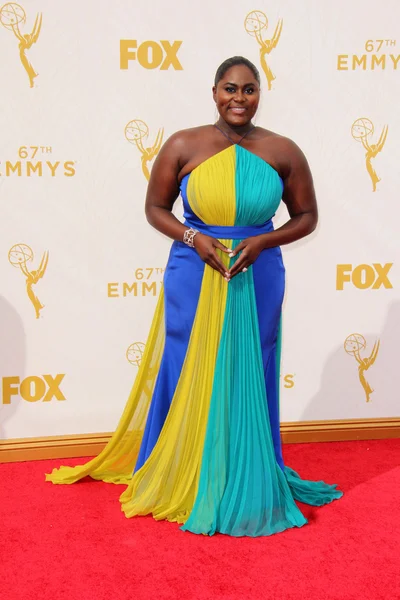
(230, 90)
(249, 91)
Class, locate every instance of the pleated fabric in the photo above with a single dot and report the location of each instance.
(116, 462)
(242, 490)
(167, 482)
(199, 440)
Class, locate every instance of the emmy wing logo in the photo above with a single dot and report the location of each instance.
(11, 17)
(134, 353)
(19, 256)
(136, 132)
(362, 130)
(254, 24)
(353, 345)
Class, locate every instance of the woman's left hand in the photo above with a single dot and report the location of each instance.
(250, 250)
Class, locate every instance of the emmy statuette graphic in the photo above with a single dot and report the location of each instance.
(361, 130)
(135, 132)
(11, 17)
(353, 344)
(254, 23)
(19, 256)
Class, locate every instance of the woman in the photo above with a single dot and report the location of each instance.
(201, 427)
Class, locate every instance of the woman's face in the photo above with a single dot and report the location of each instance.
(237, 96)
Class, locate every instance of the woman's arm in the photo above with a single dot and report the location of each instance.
(163, 190)
(299, 197)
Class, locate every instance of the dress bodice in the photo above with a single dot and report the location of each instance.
(235, 187)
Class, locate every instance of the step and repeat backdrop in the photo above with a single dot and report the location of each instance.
(89, 93)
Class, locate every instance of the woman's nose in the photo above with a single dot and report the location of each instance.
(239, 97)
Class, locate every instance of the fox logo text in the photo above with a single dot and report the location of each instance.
(363, 277)
(151, 55)
(33, 388)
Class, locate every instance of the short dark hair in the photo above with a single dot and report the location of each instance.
(233, 62)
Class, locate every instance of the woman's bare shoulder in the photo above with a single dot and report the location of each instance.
(286, 148)
(181, 145)
(283, 141)
(185, 136)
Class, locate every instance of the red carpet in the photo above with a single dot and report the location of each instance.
(73, 542)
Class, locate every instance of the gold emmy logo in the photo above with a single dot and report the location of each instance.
(288, 380)
(361, 130)
(134, 353)
(11, 16)
(142, 284)
(254, 23)
(33, 388)
(31, 163)
(353, 344)
(135, 132)
(150, 54)
(364, 276)
(19, 255)
(372, 59)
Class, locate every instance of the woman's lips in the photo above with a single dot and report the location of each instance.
(237, 110)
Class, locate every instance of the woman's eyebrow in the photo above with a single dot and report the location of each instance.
(235, 84)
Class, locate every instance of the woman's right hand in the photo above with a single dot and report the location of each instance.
(206, 246)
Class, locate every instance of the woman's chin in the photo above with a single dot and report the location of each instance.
(237, 120)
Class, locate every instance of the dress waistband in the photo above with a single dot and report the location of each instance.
(232, 232)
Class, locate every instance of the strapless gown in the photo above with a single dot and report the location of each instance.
(199, 441)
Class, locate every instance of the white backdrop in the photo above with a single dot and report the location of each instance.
(87, 211)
